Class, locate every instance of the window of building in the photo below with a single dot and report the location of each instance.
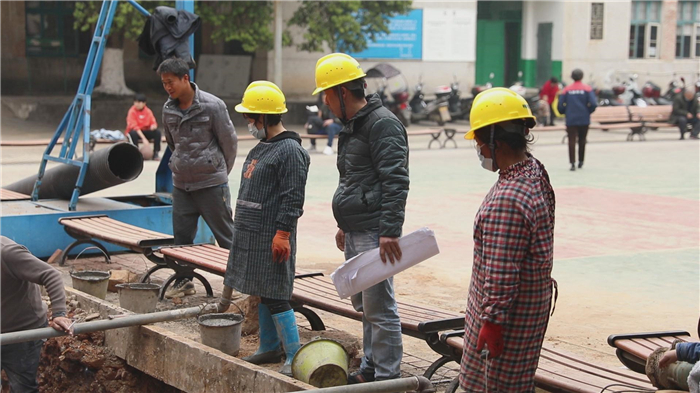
(49, 29)
(688, 30)
(644, 29)
(597, 21)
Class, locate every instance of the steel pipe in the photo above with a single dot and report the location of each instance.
(117, 164)
(105, 324)
(416, 384)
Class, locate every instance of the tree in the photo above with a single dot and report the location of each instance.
(344, 25)
(127, 24)
(246, 21)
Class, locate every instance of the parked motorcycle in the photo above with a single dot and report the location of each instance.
(626, 93)
(476, 89)
(458, 107)
(632, 94)
(393, 81)
(436, 110)
(652, 94)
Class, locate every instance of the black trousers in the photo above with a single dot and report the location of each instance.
(683, 125)
(150, 135)
(276, 306)
(551, 114)
(213, 204)
(577, 133)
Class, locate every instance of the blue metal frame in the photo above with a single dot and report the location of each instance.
(187, 5)
(76, 121)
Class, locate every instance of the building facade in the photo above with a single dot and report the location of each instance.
(473, 42)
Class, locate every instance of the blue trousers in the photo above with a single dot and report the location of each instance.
(21, 362)
(382, 343)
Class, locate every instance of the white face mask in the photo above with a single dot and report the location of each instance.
(258, 134)
(486, 163)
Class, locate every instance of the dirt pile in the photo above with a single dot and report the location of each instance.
(82, 364)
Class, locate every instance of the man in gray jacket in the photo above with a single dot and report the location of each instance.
(21, 274)
(201, 136)
(369, 203)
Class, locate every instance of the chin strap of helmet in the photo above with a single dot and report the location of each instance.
(264, 121)
(339, 92)
(492, 146)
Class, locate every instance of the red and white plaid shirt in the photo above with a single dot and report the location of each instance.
(511, 282)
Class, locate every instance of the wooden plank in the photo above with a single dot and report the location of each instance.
(98, 224)
(117, 232)
(413, 311)
(7, 195)
(567, 373)
(615, 126)
(635, 348)
(99, 230)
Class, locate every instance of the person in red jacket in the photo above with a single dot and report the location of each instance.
(141, 125)
(550, 90)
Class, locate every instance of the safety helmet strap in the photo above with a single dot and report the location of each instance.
(492, 146)
(343, 116)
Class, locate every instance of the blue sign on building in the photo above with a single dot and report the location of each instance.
(405, 40)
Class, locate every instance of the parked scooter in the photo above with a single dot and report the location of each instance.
(632, 94)
(652, 94)
(626, 93)
(436, 110)
(398, 105)
(458, 107)
(391, 80)
(476, 89)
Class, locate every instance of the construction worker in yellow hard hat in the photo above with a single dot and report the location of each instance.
(510, 292)
(270, 201)
(369, 204)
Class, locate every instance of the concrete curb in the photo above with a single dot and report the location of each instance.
(183, 363)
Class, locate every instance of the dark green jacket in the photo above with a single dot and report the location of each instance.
(373, 166)
(680, 107)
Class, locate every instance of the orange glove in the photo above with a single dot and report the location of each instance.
(280, 247)
(490, 334)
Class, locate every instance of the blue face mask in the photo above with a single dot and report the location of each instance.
(258, 134)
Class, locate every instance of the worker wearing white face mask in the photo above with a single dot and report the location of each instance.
(270, 201)
(511, 285)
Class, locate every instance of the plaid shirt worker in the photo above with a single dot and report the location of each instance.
(511, 282)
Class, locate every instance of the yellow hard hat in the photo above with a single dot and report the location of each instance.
(262, 97)
(497, 105)
(336, 69)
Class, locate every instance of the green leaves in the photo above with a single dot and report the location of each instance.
(249, 22)
(344, 25)
(341, 25)
(128, 22)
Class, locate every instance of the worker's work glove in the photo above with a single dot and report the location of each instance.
(280, 247)
(490, 334)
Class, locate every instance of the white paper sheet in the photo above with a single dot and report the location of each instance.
(367, 269)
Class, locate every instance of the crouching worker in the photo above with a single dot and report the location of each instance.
(675, 368)
(511, 284)
(141, 125)
(270, 201)
(23, 309)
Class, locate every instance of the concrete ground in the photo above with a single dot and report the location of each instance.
(627, 237)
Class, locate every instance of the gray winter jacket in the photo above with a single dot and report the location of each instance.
(203, 141)
(373, 166)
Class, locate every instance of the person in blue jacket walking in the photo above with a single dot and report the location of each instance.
(577, 101)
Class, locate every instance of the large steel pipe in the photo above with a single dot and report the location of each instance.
(117, 164)
(94, 326)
